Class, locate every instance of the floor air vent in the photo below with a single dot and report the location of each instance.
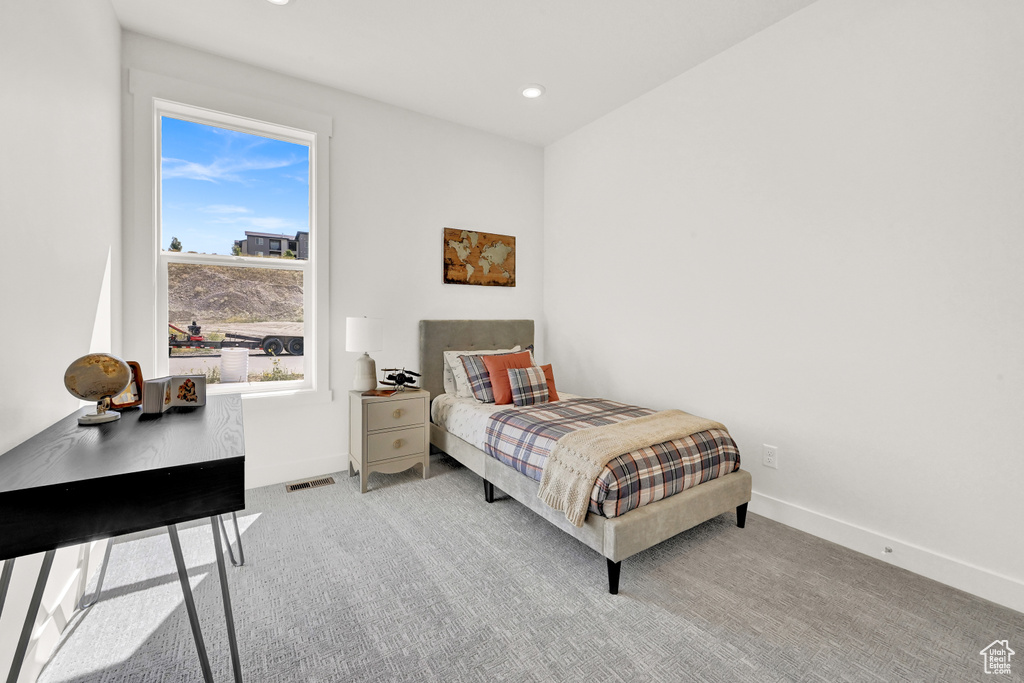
(310, 484)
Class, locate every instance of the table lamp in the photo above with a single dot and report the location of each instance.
(364, 334)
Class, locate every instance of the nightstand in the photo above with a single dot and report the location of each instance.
(388, 433)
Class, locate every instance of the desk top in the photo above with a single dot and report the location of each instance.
(67, 452)
(71, 483)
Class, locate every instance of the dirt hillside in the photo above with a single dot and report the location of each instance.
(214, 295)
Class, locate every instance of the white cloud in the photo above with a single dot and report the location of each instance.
(225, 208)
(259, 223)
(271, 223)
(229, 170)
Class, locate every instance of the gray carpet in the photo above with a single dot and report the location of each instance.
(423, 581)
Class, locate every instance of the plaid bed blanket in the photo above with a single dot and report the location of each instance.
(522, 438)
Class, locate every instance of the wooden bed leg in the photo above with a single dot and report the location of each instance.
(488, 491)
(613, 576)
(741, 515)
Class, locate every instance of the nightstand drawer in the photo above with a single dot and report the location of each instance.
(395, 444)
(391, 414)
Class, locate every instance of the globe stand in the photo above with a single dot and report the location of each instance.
(101, 416)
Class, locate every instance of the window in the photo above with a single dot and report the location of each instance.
(216, 182)
(259, 241)
(193, 147)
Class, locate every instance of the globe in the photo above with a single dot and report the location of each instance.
(97, 377)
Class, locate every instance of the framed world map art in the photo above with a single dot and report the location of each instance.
(479, 258)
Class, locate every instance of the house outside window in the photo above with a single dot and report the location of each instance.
(291, 246)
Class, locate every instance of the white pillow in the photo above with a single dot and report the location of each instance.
(456, 381)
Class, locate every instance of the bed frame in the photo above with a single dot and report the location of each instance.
(616, 538)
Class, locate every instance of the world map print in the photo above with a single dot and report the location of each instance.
(479, 258)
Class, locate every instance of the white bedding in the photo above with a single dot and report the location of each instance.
(466, 418)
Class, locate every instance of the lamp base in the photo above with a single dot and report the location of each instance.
(366, 373)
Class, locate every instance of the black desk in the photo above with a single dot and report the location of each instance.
(72, 484)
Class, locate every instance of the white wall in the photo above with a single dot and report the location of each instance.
(60, 211)
(397, 179)
(816, 237)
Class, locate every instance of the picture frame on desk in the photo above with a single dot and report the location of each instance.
(163, 393)
(131, 397)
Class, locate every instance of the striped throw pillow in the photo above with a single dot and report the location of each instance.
(479, 378)
(529, 386)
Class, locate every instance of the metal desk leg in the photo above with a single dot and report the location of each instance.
(110, 544)
(82, 604)
(190, 605)
(30, 618)
(229, 618)
(5, 582)
(227, 541)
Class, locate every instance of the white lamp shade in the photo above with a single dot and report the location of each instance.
(364, 334)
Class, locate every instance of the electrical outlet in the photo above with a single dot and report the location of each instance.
(770, 456)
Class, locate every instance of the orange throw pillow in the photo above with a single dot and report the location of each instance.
(496, 367)
(549, 375)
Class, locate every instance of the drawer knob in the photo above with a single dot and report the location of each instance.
(397, 414)
(397, 443)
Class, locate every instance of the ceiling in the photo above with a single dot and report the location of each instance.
(467, 60)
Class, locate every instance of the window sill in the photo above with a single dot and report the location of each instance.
(286, 397)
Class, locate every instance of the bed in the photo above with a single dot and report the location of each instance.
(616, 538)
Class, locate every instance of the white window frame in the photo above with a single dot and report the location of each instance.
(145, 305)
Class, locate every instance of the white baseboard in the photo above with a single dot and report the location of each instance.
(1000, 589)
(280, 473)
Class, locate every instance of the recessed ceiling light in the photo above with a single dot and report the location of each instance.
(278, 2)
(533, 91)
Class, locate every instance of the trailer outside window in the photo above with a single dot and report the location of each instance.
(219, 184)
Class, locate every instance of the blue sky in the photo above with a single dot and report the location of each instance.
(218, 183)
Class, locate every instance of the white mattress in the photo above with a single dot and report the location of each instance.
(466, 418)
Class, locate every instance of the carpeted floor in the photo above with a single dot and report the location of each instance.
(423, 581)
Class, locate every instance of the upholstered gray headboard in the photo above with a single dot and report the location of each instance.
(437, 336)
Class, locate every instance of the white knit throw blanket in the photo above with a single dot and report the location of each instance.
(578, 458)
